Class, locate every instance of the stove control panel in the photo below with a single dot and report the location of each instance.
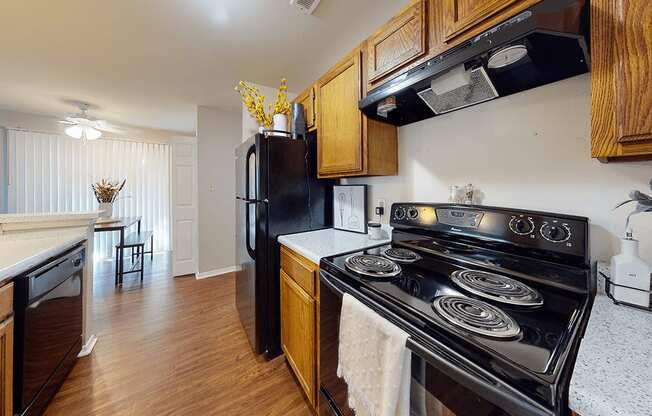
(527, 230)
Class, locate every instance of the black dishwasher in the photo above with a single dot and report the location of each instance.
(48, 329)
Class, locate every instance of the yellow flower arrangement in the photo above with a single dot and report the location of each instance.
(281, 105)
(255, 102)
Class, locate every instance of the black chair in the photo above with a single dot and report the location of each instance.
(135, 242)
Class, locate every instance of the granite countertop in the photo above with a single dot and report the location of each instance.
(21, 254)
(314, 245)
(613, 372)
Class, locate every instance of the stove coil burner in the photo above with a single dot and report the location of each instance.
(372, 266)
(476, 316)
(402, 255)
(497, 288)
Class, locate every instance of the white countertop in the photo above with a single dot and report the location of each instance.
(21, 254)
(314, 245)
(613, 372)
(48, 216)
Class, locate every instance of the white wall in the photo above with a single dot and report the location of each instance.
(530, 150)
(218, 134)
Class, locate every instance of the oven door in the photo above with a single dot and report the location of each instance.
(443, 383)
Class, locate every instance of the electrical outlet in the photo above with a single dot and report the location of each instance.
(380, 208)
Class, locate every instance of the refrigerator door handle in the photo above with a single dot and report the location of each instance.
(251, 151)
(250, 250)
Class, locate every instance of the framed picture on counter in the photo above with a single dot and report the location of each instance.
(350, 208)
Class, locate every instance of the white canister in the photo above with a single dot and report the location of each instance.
(375, 231)
(280, 122)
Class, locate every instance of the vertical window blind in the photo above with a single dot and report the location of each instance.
(54, 173)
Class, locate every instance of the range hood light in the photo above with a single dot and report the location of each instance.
(387, 105)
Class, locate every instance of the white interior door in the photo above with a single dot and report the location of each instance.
(184, 206)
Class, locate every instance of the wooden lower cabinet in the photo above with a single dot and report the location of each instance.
(300, 321)
(6, 350)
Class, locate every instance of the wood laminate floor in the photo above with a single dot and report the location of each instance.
(173, 347)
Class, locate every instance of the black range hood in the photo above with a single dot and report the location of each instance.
(543, 44)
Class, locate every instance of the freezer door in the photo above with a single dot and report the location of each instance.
(246, 170)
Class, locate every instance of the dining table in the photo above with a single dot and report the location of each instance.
(120, 224)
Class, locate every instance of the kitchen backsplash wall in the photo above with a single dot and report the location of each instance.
(530, 150)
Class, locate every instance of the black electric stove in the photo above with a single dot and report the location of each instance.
(501, 294)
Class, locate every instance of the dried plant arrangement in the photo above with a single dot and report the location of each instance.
(255, 102)
(106, 192)
(281, 105)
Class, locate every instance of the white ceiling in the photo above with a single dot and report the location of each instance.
(150, 63)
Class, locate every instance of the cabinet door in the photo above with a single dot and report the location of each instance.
(307, 99)
(397, 43)
(340, 140)
(621, 36)
(6, 366)
(461, 16)
(298, 334)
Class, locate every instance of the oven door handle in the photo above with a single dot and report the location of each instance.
(448, 362)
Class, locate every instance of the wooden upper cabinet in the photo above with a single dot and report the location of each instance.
(621, 54)
(339, 141)
(348, 144)
(466, 18)
(307, 99)
(398, 42)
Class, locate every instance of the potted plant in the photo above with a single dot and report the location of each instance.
(106, 193)
(277, 117)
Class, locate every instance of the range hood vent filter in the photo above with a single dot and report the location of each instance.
(457, 89)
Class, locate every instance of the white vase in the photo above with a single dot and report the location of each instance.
(106, 210)
(280, 122)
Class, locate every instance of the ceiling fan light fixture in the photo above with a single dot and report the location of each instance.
(74, 131)
(83, 132)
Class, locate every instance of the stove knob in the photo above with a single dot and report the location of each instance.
(521, 226)
(399, 213)
(555, 233)
(412, 213)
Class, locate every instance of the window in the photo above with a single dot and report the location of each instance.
(54, 173)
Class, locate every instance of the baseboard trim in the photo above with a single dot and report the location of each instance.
(87, 348)
(216, 272)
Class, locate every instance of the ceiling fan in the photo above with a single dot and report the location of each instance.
(83, 126)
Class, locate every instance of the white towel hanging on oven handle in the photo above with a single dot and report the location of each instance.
(374, 361)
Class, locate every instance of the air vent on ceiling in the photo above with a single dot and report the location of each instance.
(306, 6)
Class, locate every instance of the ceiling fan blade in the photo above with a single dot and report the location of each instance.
(112, 129)
(109, 127)
(67, 122)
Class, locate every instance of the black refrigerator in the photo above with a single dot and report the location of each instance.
(277, 192)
